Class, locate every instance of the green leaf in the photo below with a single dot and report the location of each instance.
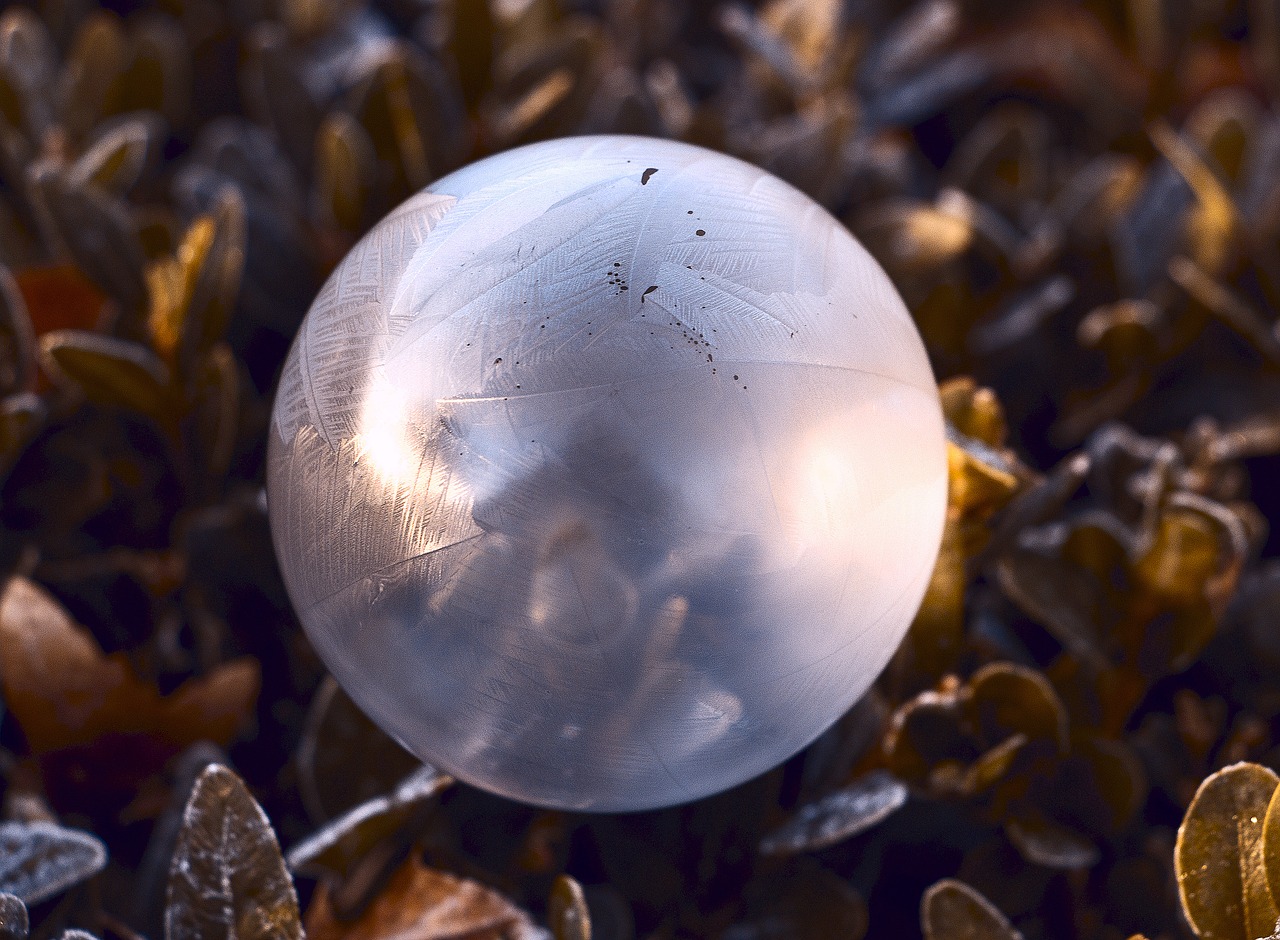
(227, 878)
(1222, 876)
(951, 910)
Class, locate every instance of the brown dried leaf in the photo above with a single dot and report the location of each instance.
(64, 692)
(951, 910)
(227, 878)
(567, 911)
(60, 297)
(40, 859)
(420, 903)
(838, 816)
(1222, 874)
(341, 843)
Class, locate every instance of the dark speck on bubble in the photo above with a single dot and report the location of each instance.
(498, 360)
(700, 232)
(644, 180)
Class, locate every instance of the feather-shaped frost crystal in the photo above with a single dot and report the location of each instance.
(607, 472)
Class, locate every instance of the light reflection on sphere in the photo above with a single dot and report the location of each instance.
(607, 472)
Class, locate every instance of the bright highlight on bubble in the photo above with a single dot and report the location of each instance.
(607, 472)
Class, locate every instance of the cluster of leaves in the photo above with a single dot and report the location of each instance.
(1079, 201)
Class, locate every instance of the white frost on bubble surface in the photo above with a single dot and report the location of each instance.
(612, 434)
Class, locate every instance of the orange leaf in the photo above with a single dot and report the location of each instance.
(65, 692)
(420, 903)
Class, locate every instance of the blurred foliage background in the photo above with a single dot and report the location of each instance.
(1080, 202)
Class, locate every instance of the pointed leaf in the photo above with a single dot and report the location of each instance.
(227, 878)
(39, 860)
(420, 903)
(1222, 876)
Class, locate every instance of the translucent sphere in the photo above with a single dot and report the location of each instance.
(607, 472)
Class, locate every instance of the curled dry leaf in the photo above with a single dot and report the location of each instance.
(421, 903)
(951, 910)
(227, 878)
(1219, 858)
(341, 843)
(567, 911)
(839, 815)
(65, 693)
(40, 859)
(14, 922)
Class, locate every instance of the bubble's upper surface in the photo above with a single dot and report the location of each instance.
(607, 472)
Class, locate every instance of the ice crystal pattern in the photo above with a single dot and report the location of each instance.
(607, 472)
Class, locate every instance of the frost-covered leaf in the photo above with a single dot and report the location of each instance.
(14, 923)
(420, 903)
(345, 840)
(40, 859)
(1222, 875)
(567, 912)
(227, 878)
(838, 816)
(951, 910)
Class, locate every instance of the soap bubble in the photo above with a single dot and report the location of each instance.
(607, 472)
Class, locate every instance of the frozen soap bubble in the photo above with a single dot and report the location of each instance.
(607, 472)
